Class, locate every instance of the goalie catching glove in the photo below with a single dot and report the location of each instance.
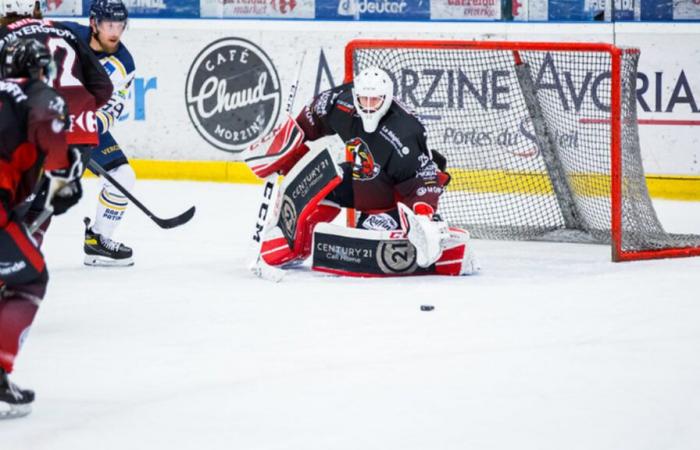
(423, 232)
(432, 236)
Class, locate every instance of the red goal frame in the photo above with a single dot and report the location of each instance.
(618, 254)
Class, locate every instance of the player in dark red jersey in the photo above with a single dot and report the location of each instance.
(80, 78)
(33, 124)
(391, 170)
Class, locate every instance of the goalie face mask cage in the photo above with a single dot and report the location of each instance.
(541, 139)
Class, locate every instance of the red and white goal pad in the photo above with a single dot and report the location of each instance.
(541, 139)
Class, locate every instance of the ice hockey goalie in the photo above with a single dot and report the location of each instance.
(391, 177)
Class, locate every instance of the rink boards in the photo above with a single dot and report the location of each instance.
(179, 127)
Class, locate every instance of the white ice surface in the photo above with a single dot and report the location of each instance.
(551, 347)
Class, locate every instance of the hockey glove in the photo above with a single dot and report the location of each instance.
(425, 233)
(66, 197)
(65, 189)
(75, 169)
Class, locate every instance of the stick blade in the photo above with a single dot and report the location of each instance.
(175, 221)
(267, 272)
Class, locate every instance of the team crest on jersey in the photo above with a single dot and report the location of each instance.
(364, 167)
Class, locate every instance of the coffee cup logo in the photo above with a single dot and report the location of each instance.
(233, 94)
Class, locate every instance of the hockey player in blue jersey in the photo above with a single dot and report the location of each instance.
(108, 19)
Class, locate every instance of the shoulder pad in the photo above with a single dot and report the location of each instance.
(82, 32)
(124, 55)
(118, 70)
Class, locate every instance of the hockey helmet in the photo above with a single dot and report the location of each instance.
(372, 94)
(109, 10)
(25, 58)
(21, 7)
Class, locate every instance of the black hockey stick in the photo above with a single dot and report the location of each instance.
(258, 265)
(163, 223)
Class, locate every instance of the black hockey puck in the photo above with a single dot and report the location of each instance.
(427, 307)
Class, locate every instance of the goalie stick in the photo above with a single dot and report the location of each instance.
(269, 194)
(163, 223)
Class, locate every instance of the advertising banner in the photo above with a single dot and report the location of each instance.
(657, 10)
(233, 93)
(530, 10)
(580, 10)
(373, 9)
(157, 8)
(686, 10)
(272, 9)
(64, 8)
(218, 89)
(668, 94)
(465, 9)
(626, 10)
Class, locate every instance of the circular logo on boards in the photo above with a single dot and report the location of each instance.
(233, 94)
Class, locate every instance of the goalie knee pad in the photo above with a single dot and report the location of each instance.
(276, 250)
(111, 203)
(299, 207)
(278, 152)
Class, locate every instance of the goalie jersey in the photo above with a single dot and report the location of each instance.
(121, 70)
(389, 165)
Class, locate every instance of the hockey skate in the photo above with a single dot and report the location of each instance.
(103, 251)
(14, 401)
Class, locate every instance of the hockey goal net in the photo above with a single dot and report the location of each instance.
(541, 139)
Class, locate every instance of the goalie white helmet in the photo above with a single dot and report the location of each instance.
(21, 7)
(372, 94)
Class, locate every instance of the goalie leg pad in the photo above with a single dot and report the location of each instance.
(300, 207)
(373, 253)
(458, 257)
(279, 151)
(276, 250)
(364, 253)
